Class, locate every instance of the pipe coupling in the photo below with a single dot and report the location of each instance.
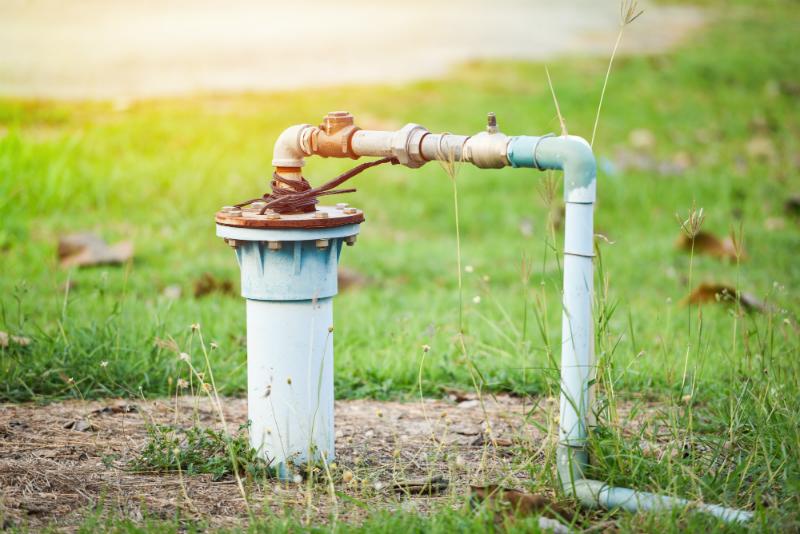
(407, 145)
(487, 150)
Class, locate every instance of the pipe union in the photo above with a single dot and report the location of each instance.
(487, 150)
(406, 144)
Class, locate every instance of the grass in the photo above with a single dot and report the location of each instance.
(156, 171)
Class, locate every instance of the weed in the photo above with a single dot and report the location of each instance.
(197, 450)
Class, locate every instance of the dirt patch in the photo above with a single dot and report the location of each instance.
(63, 461)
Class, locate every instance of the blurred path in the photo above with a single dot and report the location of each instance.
(124, 48)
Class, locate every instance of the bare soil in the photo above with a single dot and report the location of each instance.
(60, 461)
(63, 461)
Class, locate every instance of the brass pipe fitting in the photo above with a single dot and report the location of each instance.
(333, 138)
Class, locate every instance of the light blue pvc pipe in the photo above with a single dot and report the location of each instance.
(289, 289)
(574, 156)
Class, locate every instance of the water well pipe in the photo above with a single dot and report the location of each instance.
(413, 146)
(289, 279)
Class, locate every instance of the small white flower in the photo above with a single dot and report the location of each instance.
(214, 345)
(183, 384)
(184, 357)
(195, 327)
(104, 364)
(297, 479)
(426, 348)
(476, 299)
(378, 485)
(468, 268)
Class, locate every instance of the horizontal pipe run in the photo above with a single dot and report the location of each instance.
(443, 147)
(372, 143)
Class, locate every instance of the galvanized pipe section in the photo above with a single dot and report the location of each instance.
(372, 143)
(443, 147)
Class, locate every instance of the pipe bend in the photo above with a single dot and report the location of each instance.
(579, 165)
(289, 150)
(571, 154)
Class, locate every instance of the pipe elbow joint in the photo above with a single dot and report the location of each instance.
(291, 146)
(580, 170)
(571, 154)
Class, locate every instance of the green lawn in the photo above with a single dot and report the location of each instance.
(156, 171)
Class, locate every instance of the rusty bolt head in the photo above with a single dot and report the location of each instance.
(321, 215)
(232, 243)
(341, 205)
(272, 216)
(350, 240)
(350, 211)
(322, 244)
(274, 245)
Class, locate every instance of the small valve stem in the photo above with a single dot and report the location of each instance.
(491, 123)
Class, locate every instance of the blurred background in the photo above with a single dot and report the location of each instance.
(124, 126)
(116, 49)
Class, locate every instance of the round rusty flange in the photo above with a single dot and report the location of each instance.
(324, 217)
